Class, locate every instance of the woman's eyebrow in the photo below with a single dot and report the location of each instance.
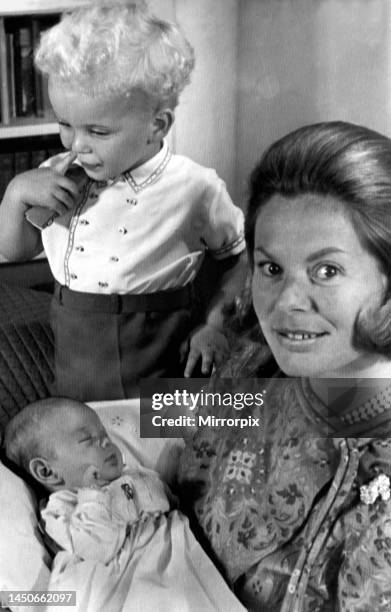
(323, 252)
(260, 249)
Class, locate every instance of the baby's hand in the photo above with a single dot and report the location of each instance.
(209, 344)
(56, 188)
(92, 479)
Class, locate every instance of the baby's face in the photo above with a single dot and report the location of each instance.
(84, 453)
(108, 135)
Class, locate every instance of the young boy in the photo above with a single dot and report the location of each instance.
(126, 240)
(121, 545)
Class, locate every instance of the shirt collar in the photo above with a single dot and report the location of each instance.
(150, 171)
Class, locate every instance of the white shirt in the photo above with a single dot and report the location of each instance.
(145, 231)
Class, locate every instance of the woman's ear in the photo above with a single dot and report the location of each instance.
(161, 124)
(42, 471)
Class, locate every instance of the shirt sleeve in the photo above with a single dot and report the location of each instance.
(83, 524)
(223, 231)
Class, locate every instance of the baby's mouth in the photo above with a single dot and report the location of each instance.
(112, 459)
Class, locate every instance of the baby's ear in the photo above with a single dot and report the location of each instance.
(42, 471)
(161, 124)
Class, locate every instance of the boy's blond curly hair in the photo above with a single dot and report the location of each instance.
(115, 48)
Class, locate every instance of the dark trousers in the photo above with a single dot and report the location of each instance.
(105, 343)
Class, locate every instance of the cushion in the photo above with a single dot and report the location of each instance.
(26, 349)
(24, 561)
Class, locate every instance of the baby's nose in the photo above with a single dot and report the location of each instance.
(105, 442)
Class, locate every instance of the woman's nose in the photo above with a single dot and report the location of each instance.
(295, 295)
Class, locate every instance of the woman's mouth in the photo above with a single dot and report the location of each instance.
(298, 336)
(298, 339)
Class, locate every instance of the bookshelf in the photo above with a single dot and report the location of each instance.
(24, 105)
(28, 130)
(26, 7)
(25, 111)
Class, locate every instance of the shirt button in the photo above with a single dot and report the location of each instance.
(114, 258)
(73, 276)
(84, 222)
(132, 201)
(123, 230)
(80, 249)
(102, 284)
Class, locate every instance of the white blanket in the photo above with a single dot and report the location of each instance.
(161, 568)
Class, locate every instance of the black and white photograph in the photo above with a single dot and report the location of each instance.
(195, 305)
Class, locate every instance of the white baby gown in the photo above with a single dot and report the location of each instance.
(124, 550)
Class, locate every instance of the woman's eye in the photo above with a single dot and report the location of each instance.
(326, 271)
(64, 125)
(268, 268)
(86, 440)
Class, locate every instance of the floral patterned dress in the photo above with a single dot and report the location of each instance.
(279, 501)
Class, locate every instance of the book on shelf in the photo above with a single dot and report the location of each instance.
(7, 171)
(15, 162)
(24, 72)
(4, 76)
(11, 74)
(22, 161)
(23, 89)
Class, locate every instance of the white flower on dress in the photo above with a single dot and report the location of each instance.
(379, 486)
(239, 466)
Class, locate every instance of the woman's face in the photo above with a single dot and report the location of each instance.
(312, 277)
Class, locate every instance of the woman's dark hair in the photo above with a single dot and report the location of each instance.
(351, 164)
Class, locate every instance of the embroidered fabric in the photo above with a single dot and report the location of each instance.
(280, 504)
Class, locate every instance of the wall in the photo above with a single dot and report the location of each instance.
(205, 126)
(302, 61)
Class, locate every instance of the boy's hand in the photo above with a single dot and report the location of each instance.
(50, 187)
(208, 344)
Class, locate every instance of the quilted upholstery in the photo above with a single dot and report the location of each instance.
(26, 349)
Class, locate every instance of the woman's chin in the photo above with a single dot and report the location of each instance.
(297, 366)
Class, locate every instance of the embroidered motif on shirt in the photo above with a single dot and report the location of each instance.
(72, 228)
(151, 178)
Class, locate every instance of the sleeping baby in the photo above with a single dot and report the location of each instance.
(122, 547)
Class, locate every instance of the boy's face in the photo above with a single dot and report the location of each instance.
(109, 135)
(80, 443)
